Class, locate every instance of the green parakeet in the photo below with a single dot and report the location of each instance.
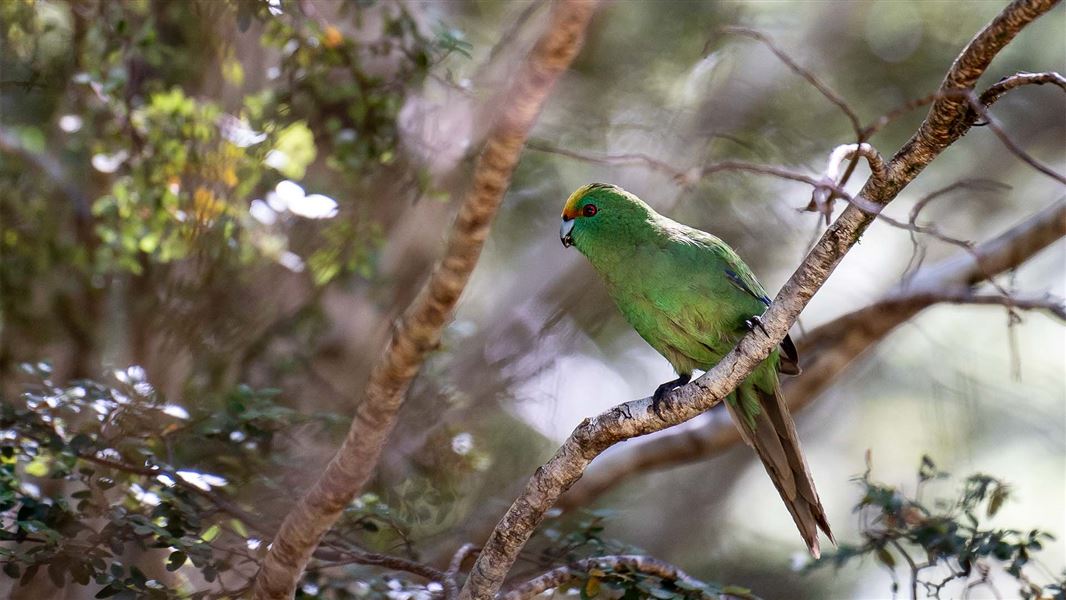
(691, 297)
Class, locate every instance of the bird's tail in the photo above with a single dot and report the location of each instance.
(768, 428)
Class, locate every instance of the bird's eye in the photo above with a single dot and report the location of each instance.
(589, 210)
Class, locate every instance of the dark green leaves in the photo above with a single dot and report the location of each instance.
(905, 531)
(94, 469)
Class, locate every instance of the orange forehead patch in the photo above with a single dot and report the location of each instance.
(570, 209)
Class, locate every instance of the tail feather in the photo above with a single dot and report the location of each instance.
(776, 443)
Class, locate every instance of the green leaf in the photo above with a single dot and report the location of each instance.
(176, 560)
(885, 557)
(110, 590)
(57, 573)
(294, 151)
(999, 495)
(239, 527)
(38, 467)
(210, 533)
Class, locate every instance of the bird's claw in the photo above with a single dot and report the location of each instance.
(756, 321)
(658, 399)
(662, 393)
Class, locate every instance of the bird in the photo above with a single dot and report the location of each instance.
(692, 298)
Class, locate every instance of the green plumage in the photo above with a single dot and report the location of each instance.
(691, 298)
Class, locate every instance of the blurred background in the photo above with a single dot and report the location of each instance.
(208, 196)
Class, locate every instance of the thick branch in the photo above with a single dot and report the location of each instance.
(944, 124)
(418, 332)
(833, 347)
(623, 562)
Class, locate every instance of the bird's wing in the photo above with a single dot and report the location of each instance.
(740, 277)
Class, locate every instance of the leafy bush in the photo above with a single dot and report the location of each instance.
(946, 533)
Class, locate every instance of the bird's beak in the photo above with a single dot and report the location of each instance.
(564, 232)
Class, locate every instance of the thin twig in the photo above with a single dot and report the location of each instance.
(802, 72)
(993, 124)
(860, 134)
(822, 197)
(878, 124)
(687, 177)
(451, 582)
(918, 250)
(996, 91)
(348, 556)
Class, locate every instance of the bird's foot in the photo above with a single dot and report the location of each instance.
(659, 398)
(756, 321)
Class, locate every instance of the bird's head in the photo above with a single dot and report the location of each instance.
(600, 211)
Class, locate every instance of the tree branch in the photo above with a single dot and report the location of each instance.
(628, 562)
(988, 98)
(451, 587)
(944, 124)
(337, 557)
(687, 177)
(823, 195)
(833, 347)
(996, 91)
(1000, 133)
(811, 78)
(418, 332)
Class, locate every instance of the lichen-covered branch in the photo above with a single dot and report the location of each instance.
(621, 562)
(945, 123)
(418, 332)
(833, 347)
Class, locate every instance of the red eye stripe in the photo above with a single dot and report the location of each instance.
(589, 210)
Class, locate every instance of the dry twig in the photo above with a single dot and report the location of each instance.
(811, 78)
(451, 587)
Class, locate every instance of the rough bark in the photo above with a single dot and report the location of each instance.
(832, 348)
(947, 121)
(418, 332)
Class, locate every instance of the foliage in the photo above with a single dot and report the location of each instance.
(95, 472)
(566, 541)
(174, 173)
(946, 535)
